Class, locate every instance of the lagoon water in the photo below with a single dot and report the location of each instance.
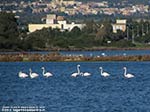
(107, 52)
(62, 93)
(92, 53)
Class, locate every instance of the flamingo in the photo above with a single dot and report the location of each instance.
(76, 73)
(33, 75)
(22, 75)
(80, 73)
(47, 74)
(127, 75)
(104, 74)
(86, 74)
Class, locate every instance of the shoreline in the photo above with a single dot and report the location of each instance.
(76, 49)
(56, 57)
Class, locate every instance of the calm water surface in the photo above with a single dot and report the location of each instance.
(94, 53)
(62, 93)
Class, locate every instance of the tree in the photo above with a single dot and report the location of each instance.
(8, 31)
(104, 31)
(90, 28)
(76, 31)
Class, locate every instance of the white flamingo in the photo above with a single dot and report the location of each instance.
(76, 73)
(127, 75)
(104, 74)
(80, 73)
(47, 74)
(86, 74)
(33, 75)
(22, 75)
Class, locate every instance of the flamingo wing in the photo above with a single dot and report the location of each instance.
(48, 74)
(105, 74)
(74, 74)
(130, 75)
(86, 74)
(33, 75)
(23, 75)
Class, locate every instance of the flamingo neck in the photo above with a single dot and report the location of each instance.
(101, 71)
(78, 70)
(43, 71)
(30, 72)
(125, 72)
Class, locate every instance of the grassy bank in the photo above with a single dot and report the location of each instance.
(57, 57)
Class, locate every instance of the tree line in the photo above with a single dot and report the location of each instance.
(94, 34)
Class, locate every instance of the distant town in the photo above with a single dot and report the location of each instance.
(75, 9)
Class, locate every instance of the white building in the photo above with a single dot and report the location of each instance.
(50, 19)
(54, 21)
(119, 25)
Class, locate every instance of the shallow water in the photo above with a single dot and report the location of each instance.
(107, 52)
(93, 53)
(62, 93)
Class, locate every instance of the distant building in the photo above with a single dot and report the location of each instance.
(119, 25)
(68, 2)
(64, 2)
(55, 21)
(50, 19)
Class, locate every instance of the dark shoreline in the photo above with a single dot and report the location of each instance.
(54, 55)
(76, 49)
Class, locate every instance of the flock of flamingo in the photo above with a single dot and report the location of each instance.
(78, 73)
(34, 75)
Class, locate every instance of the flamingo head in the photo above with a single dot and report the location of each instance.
(78, 65)
(42, 68)
(100, 68)
(124, 67)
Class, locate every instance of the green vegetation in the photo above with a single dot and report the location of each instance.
(93, 35)
(9, 35)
